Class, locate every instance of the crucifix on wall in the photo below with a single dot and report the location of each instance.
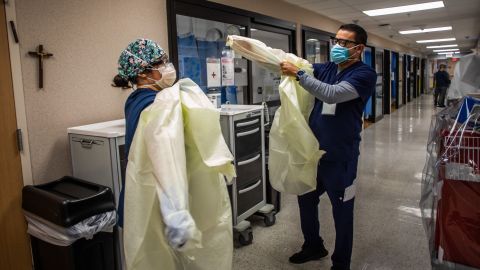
(41, 55)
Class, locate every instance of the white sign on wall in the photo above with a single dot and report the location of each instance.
(228, 71)
(214, 74)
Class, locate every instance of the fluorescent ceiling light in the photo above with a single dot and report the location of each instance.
(417, 31)
(312, 39)
(435, 40)
(450, 56)
(446, 50)
(403, 9)
(442, 46)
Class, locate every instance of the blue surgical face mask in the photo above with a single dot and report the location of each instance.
(339, 54)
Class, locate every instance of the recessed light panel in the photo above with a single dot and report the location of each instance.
(404, 9)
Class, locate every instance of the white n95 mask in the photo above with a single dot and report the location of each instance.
(169, 75)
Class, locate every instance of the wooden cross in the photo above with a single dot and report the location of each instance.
(41, 55)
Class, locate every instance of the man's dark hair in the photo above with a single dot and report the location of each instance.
(443, 66)
(360, 33)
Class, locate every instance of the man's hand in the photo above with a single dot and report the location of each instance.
(288, 69)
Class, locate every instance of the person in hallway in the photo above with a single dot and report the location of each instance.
(145, 66)
(342, 88)
(174, 207)
(441, 81)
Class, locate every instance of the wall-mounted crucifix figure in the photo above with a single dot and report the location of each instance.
(41, 55)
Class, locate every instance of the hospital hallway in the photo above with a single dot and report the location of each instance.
(178, 134)
(388, 230)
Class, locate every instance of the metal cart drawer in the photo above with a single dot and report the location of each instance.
(248, 196)
(247, 123)
(249, 169)
(247, 142)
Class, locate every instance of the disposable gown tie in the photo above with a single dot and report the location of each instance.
(294, 152)
(177, 210)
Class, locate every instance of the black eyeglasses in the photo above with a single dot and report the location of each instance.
(342, 42)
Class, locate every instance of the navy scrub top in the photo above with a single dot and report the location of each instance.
(339, 134)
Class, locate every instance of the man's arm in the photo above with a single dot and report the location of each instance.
(328, 93)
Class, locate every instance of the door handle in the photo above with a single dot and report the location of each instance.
(86, 143)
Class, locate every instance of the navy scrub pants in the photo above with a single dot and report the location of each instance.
(337, 179)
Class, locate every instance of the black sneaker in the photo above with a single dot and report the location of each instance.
(309, 254)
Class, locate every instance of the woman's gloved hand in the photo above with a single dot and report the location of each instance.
(181, 231)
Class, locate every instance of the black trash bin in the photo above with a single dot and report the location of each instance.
(61, 205)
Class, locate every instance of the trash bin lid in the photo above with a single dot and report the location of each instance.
(67, 200)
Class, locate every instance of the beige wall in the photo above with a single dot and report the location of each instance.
(293, 13)
(86, 38)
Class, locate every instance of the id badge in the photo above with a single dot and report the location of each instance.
(349, 192)
(329, 109)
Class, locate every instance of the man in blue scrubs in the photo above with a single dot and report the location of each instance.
(341, 87)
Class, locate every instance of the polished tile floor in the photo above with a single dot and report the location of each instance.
(388, 230)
